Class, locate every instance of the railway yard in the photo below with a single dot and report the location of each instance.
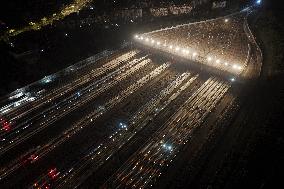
(126, 118)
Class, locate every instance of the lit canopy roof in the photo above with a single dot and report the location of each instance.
(221, 43)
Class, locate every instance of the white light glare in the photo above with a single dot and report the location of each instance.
(194, 54)
(167, 147)
(171, 46)
(217, 61)
(158, 43)
(233, 79)
(123, 125)
(226, 20)
(209, 59)
(177, 48)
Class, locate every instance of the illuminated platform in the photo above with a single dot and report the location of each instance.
(220, 43)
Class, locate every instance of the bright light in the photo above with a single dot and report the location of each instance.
(226, 63)
(177, 48)
(141, 38)
(239, 67)
(153, 41)
(167, 147)
(187, 51)
(258, 2)
(147, 39)
(123, 125)
(194, 54)
(209, 59)
(217, 61)
(136, 36)
(158, 43)
(47, 79)
(235, 66)
(171, 46)
(233, 79)
(226, 20)
(245, 9)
